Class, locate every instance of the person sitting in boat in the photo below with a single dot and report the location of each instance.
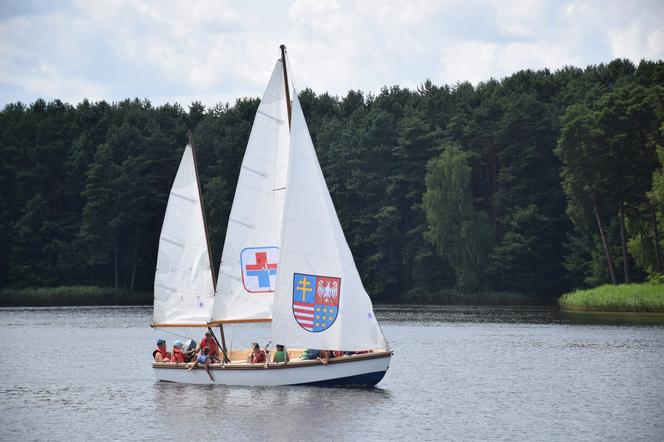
(280, 354)
(178, 354)
(325, 356)
(257, 356)
(310, 354)
(209, 341)
(189, 350)
(160, 354)
(205, 359)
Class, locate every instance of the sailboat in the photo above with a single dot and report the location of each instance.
(285, 261)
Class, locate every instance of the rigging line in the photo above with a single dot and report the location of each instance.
(174, 334)
(387, 343)
(269, 116)
(257, 172)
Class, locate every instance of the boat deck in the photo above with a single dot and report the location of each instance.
(239, 361)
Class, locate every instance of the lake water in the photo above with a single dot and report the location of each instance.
(458, 373)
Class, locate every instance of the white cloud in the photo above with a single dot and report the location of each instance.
(519, 20)
(45, 79)
(624, 29)
(656, 43)
(43, 72)
(479, 61)
(635, 41)
(328, 45)
(535, 35)
(218, 49)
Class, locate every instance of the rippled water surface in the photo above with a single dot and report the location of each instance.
(458, 373)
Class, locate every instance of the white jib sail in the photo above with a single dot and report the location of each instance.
(183, 285)
(250, 260)
(320, 300)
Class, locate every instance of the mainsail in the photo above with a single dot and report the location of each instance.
(250, 260)
(183, 284)
(320, 301)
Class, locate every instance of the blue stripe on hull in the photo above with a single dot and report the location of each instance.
(362, 380)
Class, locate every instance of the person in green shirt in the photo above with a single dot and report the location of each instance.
(280, 355)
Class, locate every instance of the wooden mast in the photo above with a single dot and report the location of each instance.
(200, 198)
(207, 239)
(288, 102)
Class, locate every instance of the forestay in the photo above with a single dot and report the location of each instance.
(183, 284)
(250, 260)
(320, 301)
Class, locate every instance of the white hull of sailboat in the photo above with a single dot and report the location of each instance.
(360, 370)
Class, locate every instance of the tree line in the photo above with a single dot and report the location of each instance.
(536, 184)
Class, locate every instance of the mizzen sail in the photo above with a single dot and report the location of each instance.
(183, 284)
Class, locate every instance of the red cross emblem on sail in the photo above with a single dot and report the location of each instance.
(259, 268)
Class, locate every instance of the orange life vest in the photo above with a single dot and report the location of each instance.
(178, 356)
(164, 354)
(212, 344)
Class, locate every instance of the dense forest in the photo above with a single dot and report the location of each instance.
(535, 184)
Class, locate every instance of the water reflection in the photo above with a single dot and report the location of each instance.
(425, 314)
(280, 412)
(613, 318)
(547, 314)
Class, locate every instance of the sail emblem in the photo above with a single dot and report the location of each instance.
(259, 268)
(315, 301)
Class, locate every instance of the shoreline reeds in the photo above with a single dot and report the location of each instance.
(71, 296)
(94, 295)
(645, 297)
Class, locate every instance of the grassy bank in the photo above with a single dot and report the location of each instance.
(646, 297)
(71, 295)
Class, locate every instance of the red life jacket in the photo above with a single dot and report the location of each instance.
(212, 344)
(257, 358)
(178, 356)
(164, 354)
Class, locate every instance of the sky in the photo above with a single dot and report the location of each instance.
(216, 51)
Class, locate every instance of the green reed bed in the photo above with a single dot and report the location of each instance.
(71, 295)
(646, 297)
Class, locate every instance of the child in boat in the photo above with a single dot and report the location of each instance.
(280, 355)
(205, 359)
(178, 354)
(160, 354)
(325, 356)
(257, 356)
(209, 341)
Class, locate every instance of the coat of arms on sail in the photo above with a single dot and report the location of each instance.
(315, 301)
(259, 268)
